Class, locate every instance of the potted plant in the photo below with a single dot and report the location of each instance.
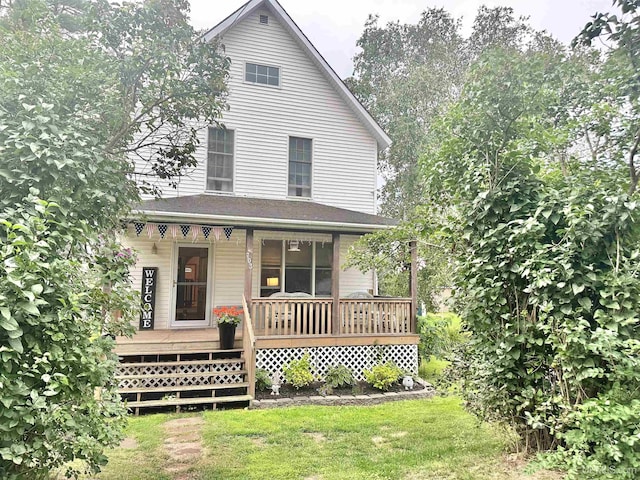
(228, 320)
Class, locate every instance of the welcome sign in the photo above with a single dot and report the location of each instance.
(148, 291)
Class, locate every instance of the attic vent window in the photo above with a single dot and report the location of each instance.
(264, 19)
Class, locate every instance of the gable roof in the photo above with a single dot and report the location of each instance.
(365, 117)
(261, 212)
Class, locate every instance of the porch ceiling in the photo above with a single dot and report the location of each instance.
(260, 212)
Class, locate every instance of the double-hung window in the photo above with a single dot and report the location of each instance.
(262, 74)
(299, 167)
(220, 160)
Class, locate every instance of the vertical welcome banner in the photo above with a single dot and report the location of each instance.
(148, 292)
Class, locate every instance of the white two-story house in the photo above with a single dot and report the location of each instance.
(264, 222)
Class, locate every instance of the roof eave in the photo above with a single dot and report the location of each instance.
(265, 223)
(378, 133)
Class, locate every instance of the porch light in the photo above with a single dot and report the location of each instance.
(273, 281)
(294, 246)
(154, 249)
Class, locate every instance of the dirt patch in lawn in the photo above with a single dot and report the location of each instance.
(316, 436)
(183, 445)
(129, 443)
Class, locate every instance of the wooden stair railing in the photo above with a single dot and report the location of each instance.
(249, 348)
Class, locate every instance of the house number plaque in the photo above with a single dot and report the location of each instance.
(148, 313)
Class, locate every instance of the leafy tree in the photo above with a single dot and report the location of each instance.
(545, 236)
(388, 252)
(408, 75)
(83, 85)
(620, 134)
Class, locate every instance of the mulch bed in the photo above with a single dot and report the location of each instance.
(361, 388)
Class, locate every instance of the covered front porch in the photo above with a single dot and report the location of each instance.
(284, 268)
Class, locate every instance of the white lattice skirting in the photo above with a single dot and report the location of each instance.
(356, 357)
(173, 375)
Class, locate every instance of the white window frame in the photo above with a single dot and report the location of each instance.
(248, 82)
(233, 172)
(173, 323)
(283, 266)
(313, 156)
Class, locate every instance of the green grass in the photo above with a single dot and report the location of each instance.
(432, 369)
(417, 439)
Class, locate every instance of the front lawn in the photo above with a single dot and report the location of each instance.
(416, 439)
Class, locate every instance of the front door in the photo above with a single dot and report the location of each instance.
(192, 286)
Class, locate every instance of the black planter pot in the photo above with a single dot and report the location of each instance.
(227, 335)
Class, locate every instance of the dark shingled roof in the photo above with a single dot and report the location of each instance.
(239, 208)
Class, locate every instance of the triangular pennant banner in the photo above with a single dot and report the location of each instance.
(185, 230)
(174, 231)
(227, 232)
(150, 227)
(217, 231)
(195, 230)
(162, 229)
(139, 227)
(206, 231)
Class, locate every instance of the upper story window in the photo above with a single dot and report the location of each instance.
(262, 74)
(299, 167)
(220, 160)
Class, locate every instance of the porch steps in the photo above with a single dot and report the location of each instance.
(191, 401)
(178, 363)
(181, 375)
(187, 379)
(184, 388)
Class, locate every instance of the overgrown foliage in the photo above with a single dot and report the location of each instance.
(81, 85)
(440, 335)
(407, 75)
(388, 253)
(545, 229)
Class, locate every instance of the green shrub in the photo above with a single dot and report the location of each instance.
(339, 376)
(263, 380)
(298, 372)
(383, 376)
(440, 335)
(602, 441)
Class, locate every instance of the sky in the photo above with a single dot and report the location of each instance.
(334, 26)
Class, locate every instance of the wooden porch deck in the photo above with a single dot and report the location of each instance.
(159, 342)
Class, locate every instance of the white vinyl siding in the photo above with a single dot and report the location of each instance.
(305, 106)
(228, 267)
(352, 280)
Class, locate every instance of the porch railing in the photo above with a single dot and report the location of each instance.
(292, 316)
(313, 316)
(249, 349)
(374, 316)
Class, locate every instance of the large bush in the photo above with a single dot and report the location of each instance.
(83, 85)
(537, 163)
(58, 397)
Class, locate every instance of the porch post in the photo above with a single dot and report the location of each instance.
(248, 266)
(413, 286)
(335, 286)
